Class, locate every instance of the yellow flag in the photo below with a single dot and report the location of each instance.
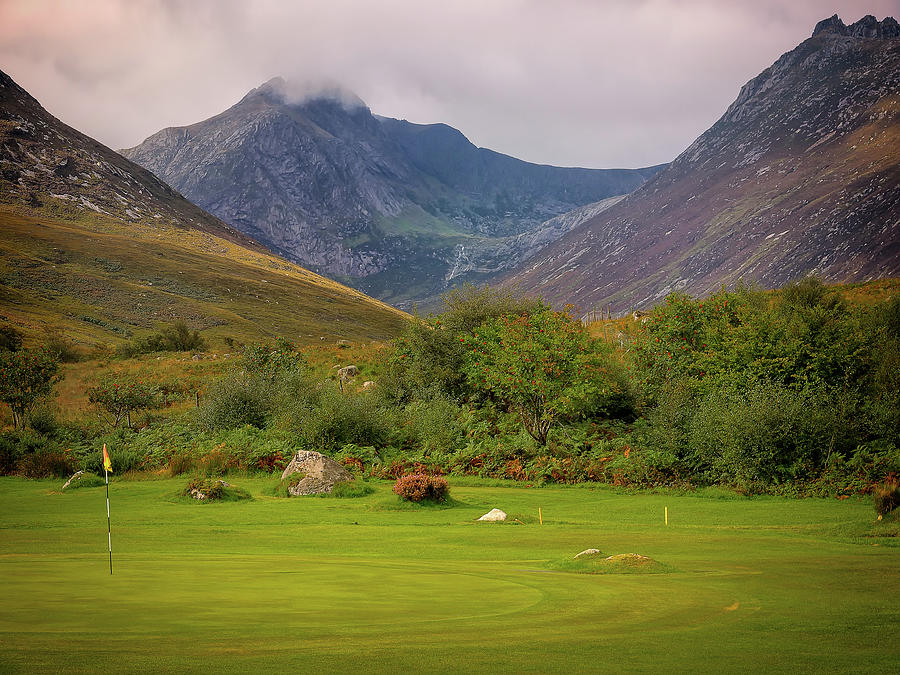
(107, 465)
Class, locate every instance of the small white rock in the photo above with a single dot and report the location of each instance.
(494, 514)
(588, 551)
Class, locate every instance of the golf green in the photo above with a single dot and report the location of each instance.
(372, 585)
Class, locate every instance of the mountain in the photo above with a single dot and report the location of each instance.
(382, 204)
(800, 176)
(99, 248)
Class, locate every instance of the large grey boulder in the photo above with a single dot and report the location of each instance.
(320, 473)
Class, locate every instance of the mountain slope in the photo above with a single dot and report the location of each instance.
(801, 175)
(98, 247)
(380, 203)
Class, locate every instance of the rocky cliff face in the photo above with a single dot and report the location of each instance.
(380, 203)
(799, 176)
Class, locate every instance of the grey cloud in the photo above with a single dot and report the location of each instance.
(576, 82)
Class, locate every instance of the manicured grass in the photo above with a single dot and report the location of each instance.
(362, 585)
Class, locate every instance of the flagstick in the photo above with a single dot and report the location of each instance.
(108, 527)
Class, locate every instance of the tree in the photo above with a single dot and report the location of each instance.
(545, 365)
(117, 399)
(429, 358)
(25, 377)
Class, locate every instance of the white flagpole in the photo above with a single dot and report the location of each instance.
(108, 528)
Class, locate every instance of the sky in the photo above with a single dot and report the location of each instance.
(594, 83)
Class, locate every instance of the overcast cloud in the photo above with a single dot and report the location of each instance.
(599, 83)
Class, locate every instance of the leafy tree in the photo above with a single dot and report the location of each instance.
(429, 358)
(116, 399)
(545, 365)
(25, 377)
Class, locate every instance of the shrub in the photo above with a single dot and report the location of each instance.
(62, 348)
(16, 445)
(272, 360)
(180, 463)
(887, 497)
(417, 487)
(428, 358)
(10, 453)
(333, 420)
(48, 463)
(122, 457)
(215, 490)
(766, 433)
(175, 338)
(10, 339)
(235, 401)
(42, 419)
(433, 425)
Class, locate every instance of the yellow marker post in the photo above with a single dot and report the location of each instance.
(540, 516)
(667, 515)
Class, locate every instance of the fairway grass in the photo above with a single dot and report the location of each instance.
(367, 585)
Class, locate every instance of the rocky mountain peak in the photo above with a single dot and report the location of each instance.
(279, 91)
(799, 176)
(396, 208)
(866, 27)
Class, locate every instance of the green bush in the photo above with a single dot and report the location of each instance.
(17, 446)
(235, 401)
(272, 360)
(42, 419)
(332, 420)
(123, 456)
(767, 433)
(431, 425)
(175, 338)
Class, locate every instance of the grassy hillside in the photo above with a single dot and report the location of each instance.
(99, 280)
(338, 585)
